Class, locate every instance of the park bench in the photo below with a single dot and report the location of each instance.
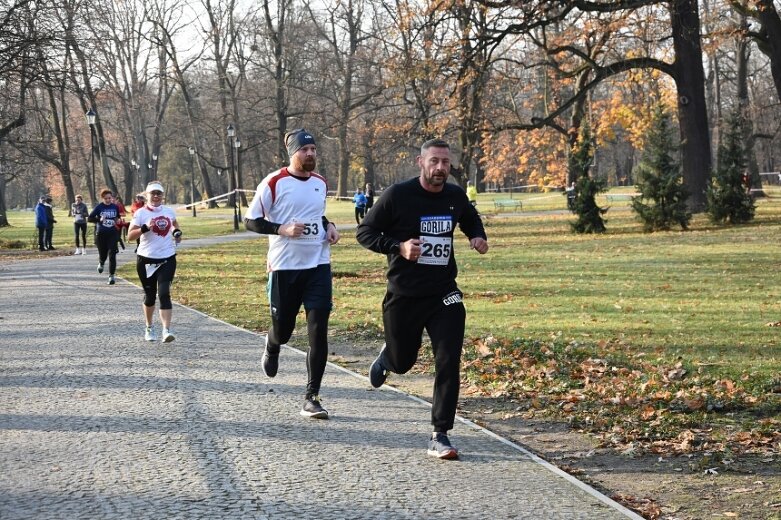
(501, 204)
(616, 197)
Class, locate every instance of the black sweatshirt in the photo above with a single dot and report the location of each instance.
(406, 210)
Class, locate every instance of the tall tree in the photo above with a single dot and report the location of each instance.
(685, 69)
(341, 26)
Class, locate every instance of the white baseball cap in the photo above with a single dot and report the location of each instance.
(154, 186)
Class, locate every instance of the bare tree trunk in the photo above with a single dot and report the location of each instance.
(692, 111)
(745, 107)
(3, 208)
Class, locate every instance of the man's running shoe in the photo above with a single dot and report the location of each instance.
(377, 371)
(111, 279)
(270, 362)
(167, 336)
(439, 446)
(84, 251)
(149, 334)
(312, 408)
(100, 268)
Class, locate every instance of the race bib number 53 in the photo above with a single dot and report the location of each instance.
(311, 231)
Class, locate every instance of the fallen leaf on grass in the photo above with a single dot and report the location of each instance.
(647, 413)
(483, 350)
(645, 506)
(676, 374)
(694, 404)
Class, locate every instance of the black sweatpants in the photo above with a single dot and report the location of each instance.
(443, 317)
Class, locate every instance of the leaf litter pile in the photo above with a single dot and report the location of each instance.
(632, 403)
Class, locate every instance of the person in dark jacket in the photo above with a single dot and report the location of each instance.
(369, 192)
(413, 223)
(41, 223)
(47, 205)
(105, 216)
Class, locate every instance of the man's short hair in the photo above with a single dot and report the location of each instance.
(433, 143)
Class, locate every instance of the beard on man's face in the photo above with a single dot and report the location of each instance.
(305, 163)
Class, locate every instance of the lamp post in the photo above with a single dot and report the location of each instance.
(231, 138)
(192, 179)
(237, 145)
(91, 117)
(154, 165)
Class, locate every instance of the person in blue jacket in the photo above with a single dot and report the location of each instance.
(105, 216)
(360, 205)
(50, 221)
(41, 222)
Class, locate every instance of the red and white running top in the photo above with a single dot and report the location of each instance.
(282, 198)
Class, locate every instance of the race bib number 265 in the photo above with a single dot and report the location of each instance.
(435, 250)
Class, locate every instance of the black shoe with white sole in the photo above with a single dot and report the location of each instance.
(312, 408)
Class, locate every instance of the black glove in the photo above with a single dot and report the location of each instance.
(177, 233)
(144, 228)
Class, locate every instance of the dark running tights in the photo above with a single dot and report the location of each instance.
(317, 355)
(107, 247)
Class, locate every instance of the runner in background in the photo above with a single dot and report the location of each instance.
(157, 230)
(138, 203)
(105, 217)
(80, 213)
(122, 224)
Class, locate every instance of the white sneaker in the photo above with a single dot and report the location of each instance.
(167, 336)
(78, 251)
(149, 334)
(83, 250)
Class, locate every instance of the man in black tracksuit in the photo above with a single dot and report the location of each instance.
(413, 223)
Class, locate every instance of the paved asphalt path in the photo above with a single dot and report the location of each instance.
(96, 423)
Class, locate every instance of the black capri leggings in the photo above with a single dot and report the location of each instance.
(156, 275)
